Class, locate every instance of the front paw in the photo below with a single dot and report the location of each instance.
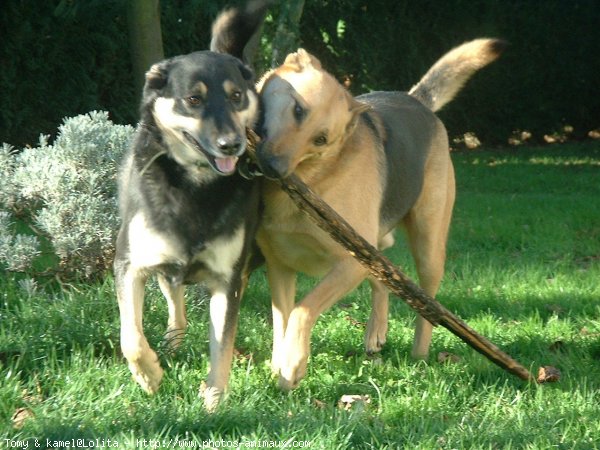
(147, 372)
(293, 361)
(293, 356)
(375, 335)
(278, 357)
(212, 397)
(292, 373)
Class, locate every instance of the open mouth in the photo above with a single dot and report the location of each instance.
(223, 165)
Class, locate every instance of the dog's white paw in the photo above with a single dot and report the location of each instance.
(375, 335)
(293, 355)
(212, 396)
(277, 359)
(147, 373)
(275, 366)
(291, 374)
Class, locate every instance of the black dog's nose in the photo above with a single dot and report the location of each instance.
(229, 145)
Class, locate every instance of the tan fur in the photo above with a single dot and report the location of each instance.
(288, 234)
(449, 74)
(347, 174)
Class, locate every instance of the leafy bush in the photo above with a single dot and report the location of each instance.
(63, 197)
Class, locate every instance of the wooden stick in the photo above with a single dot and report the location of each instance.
(386, 272)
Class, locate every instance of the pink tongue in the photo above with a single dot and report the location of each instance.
(226, 165)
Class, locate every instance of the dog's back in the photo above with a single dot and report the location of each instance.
(408, 132)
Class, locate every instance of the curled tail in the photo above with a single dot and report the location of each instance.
(234, 29)
(449, 74)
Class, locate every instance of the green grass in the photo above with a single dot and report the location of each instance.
(523, 269)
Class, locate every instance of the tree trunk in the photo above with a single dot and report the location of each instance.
(145, 37)
(287, 36)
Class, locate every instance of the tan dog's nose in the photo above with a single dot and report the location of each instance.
(272, 166)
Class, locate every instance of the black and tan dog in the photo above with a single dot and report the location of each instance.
(187, 215)
(381, 160)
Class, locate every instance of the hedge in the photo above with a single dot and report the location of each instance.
(63, 58)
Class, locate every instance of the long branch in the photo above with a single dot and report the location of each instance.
(386, 272)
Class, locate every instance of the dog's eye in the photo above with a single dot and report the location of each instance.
(299, 112)
(320, 140)
(193, 100)
(236, 97)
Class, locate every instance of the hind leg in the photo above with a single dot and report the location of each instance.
(174, 294)
(427, 229)
(376, 332)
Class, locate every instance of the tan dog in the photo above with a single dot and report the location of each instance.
(381, 160)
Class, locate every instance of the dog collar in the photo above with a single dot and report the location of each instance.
(248, 168)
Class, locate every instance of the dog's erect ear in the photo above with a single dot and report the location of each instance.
(235, 31)
(246, 72)
(156, 77)
(301, 60)
(356, 109)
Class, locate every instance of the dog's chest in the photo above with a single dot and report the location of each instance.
(150, 248)
(297, 241)
(303, 253)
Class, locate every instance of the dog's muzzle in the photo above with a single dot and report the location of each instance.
(231, 149)
(272, 166)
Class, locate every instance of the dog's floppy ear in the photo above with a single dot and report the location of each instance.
(301, 60)
(156, 77)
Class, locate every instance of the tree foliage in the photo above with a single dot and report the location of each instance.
(287, 35)
(63, 58)
(545, 80)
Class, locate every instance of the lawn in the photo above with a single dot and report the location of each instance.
(523, 269)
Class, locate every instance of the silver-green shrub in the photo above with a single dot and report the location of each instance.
(63, 194)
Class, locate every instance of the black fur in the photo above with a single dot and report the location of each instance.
(194, 213)
(405, 159)
(235, 29)
(177, 182)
